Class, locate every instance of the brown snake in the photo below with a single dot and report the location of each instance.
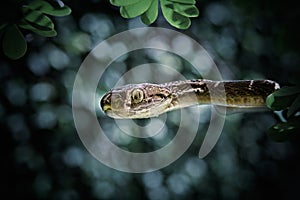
(149, 100)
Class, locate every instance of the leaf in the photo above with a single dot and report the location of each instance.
(189, 2)
(37, 22)
(46, 33)
(13, 43)
(283, 131)
(286, 91)
(37, 19)
(279, 102)
(151, 14)
(123, 2)
(282, 98)
(134, 10)
(175, 19)
(50, 9)
(186, 10)
(294, 107)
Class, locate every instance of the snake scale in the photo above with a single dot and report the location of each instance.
(147, 100)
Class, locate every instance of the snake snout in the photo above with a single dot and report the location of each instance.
(105, 102)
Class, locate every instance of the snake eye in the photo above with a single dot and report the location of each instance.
(137, 95)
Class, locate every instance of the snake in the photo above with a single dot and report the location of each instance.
(146, 100)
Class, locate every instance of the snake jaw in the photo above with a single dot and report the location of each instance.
(105, 102)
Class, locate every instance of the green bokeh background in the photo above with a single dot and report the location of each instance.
(43, 157)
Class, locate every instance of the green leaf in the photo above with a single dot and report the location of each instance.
(189, 2)
(37, 22)
(279, 102)
(33, 27)
(123, 2)
(283, 98)
(270, 101)
(54, 9)
(294, 107)
(13, 42)
(134, 10)
(186, 10)
(175, 19)
(37, 19)
(283, 131)
(286, 91)
(151, 14)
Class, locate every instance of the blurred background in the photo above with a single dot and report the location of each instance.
(43, 157)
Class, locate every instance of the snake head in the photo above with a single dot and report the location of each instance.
(136, 101)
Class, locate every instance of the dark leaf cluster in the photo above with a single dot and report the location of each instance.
(33, 17)
(287, 100)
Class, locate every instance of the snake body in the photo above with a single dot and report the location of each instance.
(146, 100)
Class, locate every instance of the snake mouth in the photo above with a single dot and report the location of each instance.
(106, 108)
